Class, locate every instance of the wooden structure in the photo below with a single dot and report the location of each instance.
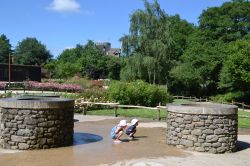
(19, 73)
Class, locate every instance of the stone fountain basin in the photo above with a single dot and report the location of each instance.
(36, 122)
(203, 108)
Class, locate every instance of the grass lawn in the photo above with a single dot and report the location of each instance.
(142, 113)
(244, 119)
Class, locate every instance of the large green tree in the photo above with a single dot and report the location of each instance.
(198, 73)
(5, 49)
(30, 51)
(201, 64)
(86, 60)
(235, 75)
(229, 22)
(153, 34)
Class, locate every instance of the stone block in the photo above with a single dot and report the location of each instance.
(219, 131)
(16, 138)
(23, 146)
(207, 131)
(24, 132)
(212, 138)
(199, 149)
(196, 132)
(187, 143)
(179, 120)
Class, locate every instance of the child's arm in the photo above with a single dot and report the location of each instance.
(118, 129)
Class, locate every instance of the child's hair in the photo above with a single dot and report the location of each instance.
(134, 121)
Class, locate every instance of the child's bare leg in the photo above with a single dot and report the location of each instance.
(132, 134)
(118, 136)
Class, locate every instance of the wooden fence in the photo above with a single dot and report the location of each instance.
(243, 106)
(83, 106)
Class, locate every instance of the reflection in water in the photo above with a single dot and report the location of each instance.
(85, 138)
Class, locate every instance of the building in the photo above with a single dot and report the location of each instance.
(19, 73)
(106, 48)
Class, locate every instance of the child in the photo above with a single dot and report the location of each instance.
(132, 129)
(117, 131)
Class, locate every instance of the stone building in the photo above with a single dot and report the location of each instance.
(106, 48)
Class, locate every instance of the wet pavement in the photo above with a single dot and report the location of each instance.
(93, 146)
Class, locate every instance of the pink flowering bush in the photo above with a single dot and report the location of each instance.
(53, 86)
(3, 85)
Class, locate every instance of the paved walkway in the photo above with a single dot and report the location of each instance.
(144, 152)
(240, 158)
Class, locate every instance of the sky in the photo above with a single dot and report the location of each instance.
(61, 24)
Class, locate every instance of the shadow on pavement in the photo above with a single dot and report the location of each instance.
(242, 145)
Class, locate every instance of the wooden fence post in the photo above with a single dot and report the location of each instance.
(84, 110)
(158, 114)
(115, 111)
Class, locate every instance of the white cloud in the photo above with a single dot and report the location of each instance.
(65, 6)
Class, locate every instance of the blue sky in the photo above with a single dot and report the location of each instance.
(61, 24)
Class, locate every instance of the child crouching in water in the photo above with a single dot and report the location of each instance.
(132, 129)
(117, 131)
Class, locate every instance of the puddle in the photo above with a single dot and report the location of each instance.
(85, 138)
(93, 146)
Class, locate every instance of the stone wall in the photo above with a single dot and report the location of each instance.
(36, 124)
(203, 128)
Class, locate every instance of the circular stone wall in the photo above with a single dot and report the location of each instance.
(36, 122)
(203, 127)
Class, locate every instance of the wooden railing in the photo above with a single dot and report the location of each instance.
(243, 106)
(83, 106)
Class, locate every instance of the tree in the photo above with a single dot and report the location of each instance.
(201, 63)
(228, 23)
(93, 62)
(113, 67)
(198, 74)
(5, 49)
(235, 75)
(31, 52)
(154, 34)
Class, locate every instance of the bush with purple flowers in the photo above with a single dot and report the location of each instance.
(52, 86)
(3, 85)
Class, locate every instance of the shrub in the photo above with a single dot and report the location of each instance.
(228, 97)
(138, 93)
(52, 86)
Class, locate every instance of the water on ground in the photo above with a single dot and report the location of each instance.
(93, 146)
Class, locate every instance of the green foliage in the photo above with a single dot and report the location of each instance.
(227, 23)
(94, 95)
(138, 93)
(113, 67)
(88, 61)
(5, 49)
(228, 97)
(31, 52)
(235, 74)
(83, 82)
(198, 74)
(155, 42)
